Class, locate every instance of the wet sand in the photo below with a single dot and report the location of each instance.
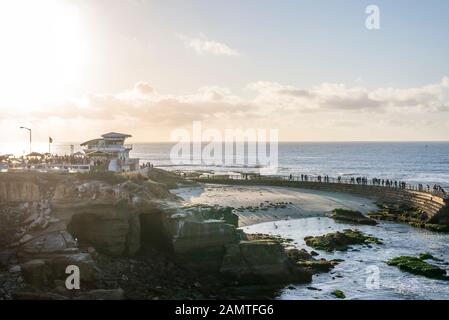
(253, 202)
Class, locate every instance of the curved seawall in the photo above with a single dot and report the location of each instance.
(435, 207)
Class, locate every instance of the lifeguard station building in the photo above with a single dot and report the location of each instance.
(111, 152)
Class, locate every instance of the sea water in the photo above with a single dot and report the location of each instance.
(364, 274)
(412, 162)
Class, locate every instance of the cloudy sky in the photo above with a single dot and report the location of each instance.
(75, 69)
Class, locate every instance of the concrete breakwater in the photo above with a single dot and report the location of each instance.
(434, 207)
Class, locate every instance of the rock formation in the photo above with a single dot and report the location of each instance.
(217, 246)
(351, 216)
(413, 216)
(418, 266)
(340, 241)
(51, 221)
(261, 262)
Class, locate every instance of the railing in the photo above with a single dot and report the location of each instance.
(109, 147)
(132, 161)
(45, 167)
(381, 183)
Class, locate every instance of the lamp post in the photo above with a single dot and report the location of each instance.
(29, 130)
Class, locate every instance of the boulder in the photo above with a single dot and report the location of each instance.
(317, 266)
(298, 254)
(428, 256)
(352, 216)
(417, 265)
(59, 262)
(197, 235)
(340, 241)
(35, 272)
(338, 294)
(39, 224)
(202, 243)
(15, 269)
(261, 262)
(31, 218)
(205, 212)
(25, 238)
(46, 243)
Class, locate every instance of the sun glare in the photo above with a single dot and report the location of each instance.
(42, 51)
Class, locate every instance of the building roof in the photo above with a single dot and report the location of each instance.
(113, 135)
(90, 142)
(98, 153)
(34, 154)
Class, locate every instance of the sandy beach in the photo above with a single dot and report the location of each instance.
(257, 204)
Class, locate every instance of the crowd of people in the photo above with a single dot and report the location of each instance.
(146, 165)
(389, 183)
(47, 161)
(66, 160)
(100, 162)
(44, 159)
(435, 188)
(80, 159)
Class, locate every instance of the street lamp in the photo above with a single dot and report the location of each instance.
(29, 130)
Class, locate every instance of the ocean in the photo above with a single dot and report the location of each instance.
(412, 162)
(362, 264)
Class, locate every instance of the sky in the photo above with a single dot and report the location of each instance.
(74, 69)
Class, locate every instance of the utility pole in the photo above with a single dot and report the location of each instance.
(29, 130)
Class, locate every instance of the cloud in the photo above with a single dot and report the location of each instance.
(311, 112)
(296, 92)
(142, 104)
(340, 97)
(270, 100)
(143, 88)
(203, 46)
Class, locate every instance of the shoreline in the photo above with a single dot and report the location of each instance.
(426, 209)
(56, 209)
(257, 203)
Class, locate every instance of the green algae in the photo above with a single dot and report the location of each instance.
(417, 265)
(340, 241)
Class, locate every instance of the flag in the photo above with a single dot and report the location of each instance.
(50, 140)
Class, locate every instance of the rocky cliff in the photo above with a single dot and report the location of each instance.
(50, 221)
(206, 238)
(96, 221)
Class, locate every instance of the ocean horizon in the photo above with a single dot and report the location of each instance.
(414, 162)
